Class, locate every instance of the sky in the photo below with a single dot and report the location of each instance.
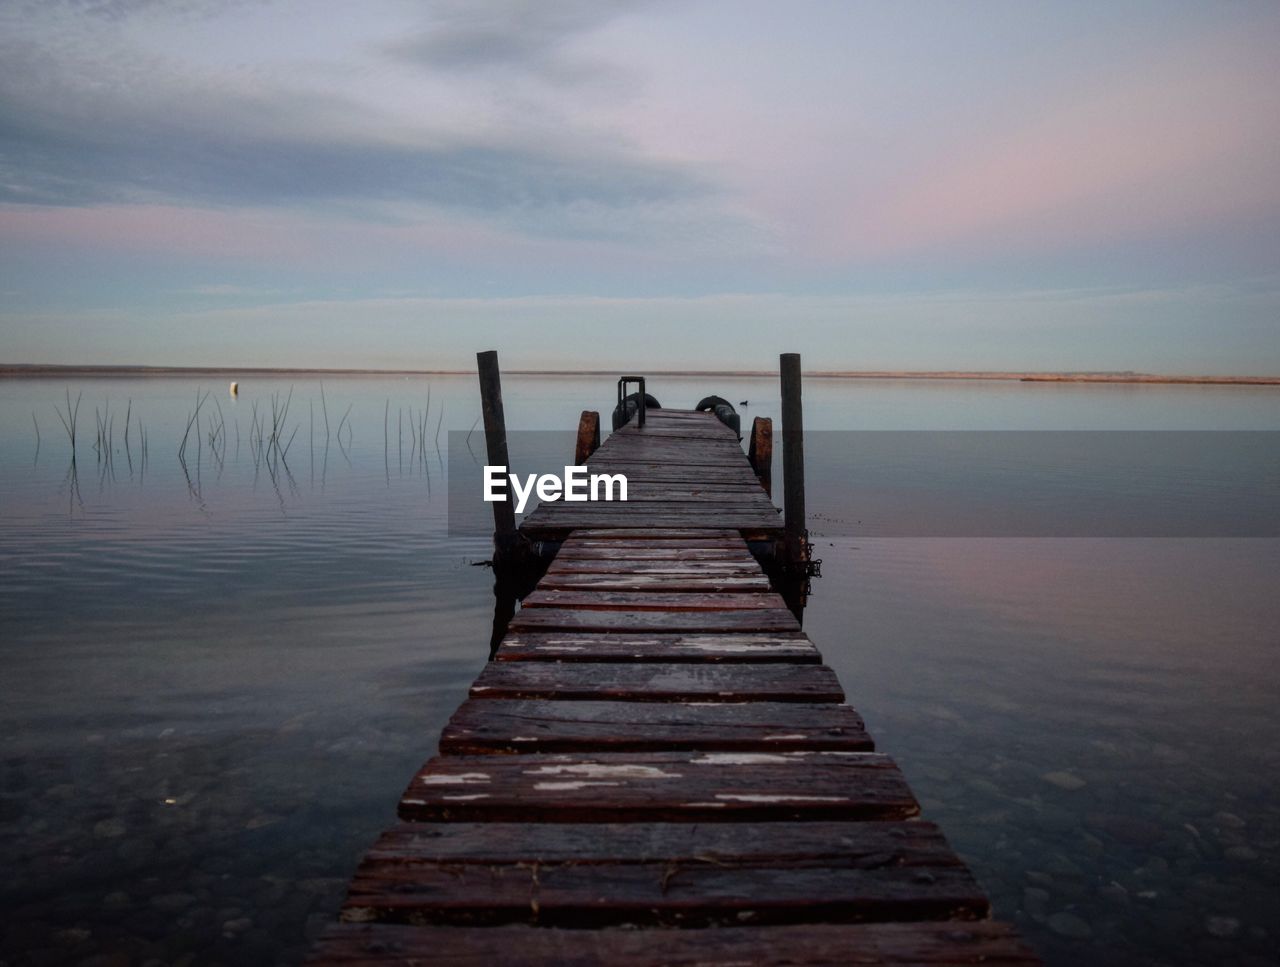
(666, 185)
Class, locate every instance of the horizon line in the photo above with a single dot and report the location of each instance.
(1030, 376)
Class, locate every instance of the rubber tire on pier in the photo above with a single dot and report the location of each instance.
(724, 412)
(627, 409)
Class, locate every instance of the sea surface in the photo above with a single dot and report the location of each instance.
(223, 661)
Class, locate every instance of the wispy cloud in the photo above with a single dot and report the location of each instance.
(527, 37)
(1128, 154)
(120, 127)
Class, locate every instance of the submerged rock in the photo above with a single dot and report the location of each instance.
(172, 902)
(1035, 902)
(1223, 927)
(1069, 925)
(112, 828)
(1064, 780)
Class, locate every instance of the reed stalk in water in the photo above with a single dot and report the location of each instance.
(69, 421)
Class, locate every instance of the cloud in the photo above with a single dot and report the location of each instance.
(1186, 136)
(532, 37)
(117, 10)
(108, 129)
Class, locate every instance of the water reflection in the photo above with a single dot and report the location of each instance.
(209, 708)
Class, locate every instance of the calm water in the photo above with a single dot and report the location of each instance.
(217, 680)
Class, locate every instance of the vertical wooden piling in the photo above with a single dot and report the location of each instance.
(792, 455)
(760, 452)
(495, 438)
(588, 437)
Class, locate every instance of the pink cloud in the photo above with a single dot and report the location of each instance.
(1191, 137)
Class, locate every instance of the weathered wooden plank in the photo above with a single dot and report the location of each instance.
(670, 582)
(671, 533)
(622, 565)
(643, 498)
(714, 541)
(698, 509)
(681, 448)
(535, 725)
(989, 943)
(674, 412)
(669, 413)
(615, 551)
(674, 433)
(697, 895)
(902, 843)
(651, 485)
(665, 420)
(641, 514)
(659, 787)
(649, 622)
(729, 487)
(642, 465)
(688, 453)
(723, 494)
(659, 682)
(643, 472)
(709, 455)
(674, 430)
(562, 646)
(650, 515)
(711, 428)
(669, 421)
(881, 871)
(653, 600)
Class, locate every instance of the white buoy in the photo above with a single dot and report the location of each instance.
(235, 389)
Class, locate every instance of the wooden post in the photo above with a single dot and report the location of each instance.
(588, 436)
(792, 455)
(760, 451)
(495, 438)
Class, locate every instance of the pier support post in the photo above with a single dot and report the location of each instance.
(495, 437)
(588, 437)
(760, 452)
(793, 458)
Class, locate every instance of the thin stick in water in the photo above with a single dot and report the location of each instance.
(325, 410)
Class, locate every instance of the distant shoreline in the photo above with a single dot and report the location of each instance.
(51, 371)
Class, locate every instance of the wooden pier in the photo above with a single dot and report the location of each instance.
(657, 768)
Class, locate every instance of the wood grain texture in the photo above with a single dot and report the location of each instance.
(791, 647)
(807, 945)
(537, 725)
(616, 551)
(669, 533)
(642, 541)
(657, 682)
(652, 514)
(622, 565)
(666, 582)
(686, 875)
(650, 622)
(650, 599)
(488, 843)
(659, 787)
